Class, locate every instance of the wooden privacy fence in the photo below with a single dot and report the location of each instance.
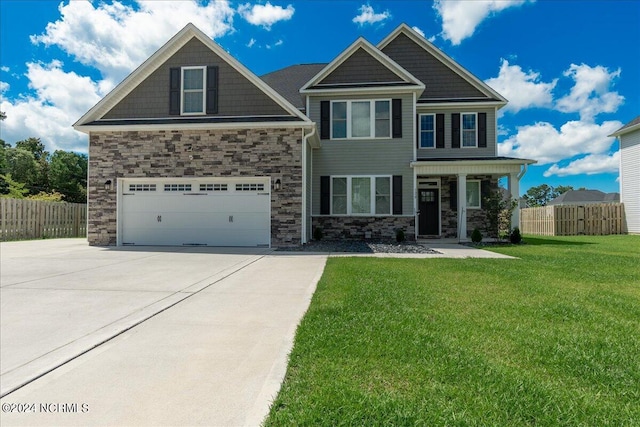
(22, 219)
(597, 219)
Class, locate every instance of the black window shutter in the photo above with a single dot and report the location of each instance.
(325, 195)
(418, 130)
(325, 120)
(482, 129)
(212, 90)
(396, 115)
(397, 194)
(439, 130)
(174, 91)
(453, 195)
(455, 130)
(485, 191)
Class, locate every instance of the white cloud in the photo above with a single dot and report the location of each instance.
(116, 38)
(251, 42)
(369, 16)
(544, 143)
(4, 86)
(60, 98)
(279, 43)
(523, 90)
(265, 15)
(461, 17)
(590, 94)
(4, 69)
(590, 165)
(419, 31)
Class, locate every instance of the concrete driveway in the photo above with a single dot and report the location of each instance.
(146, 336)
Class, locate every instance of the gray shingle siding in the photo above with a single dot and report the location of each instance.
(361, 67)
(441, 82)
(461, 153)
(366, 157)
(237, 96)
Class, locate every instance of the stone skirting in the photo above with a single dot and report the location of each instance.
(276, 153)
(361, 228)
(449, 217)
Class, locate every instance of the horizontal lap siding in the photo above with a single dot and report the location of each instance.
(630, 179)
(447, 151)
(237, 96)
(361, 67)
(366, 157)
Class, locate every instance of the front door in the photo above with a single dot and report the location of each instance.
(429, 219)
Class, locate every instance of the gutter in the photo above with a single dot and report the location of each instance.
(305, 141)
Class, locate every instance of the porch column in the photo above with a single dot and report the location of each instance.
(462, 206)
(514, 190)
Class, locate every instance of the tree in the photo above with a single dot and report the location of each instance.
(68, 175)
(543, 193)
(2, 116)
(34, 146)
(21, 165)
(11, 189)
(498, 210)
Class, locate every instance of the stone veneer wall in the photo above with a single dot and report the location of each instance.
(202, 153)
(357, 227)
(475, 217)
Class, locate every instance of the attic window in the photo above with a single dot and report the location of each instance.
(192, 96)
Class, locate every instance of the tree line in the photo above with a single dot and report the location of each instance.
(27, 170)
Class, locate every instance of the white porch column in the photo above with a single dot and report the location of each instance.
(514, 190)
(462, 206)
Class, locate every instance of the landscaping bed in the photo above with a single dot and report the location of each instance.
(362, 246)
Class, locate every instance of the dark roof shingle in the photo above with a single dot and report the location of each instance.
(288, 81)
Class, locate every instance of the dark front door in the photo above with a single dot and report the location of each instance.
(429, 219)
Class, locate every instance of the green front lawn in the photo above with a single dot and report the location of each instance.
(552, 338)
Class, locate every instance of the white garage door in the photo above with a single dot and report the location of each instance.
(198, 212)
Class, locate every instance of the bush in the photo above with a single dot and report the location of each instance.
(317, 233)
(515, 236)
(476, 236)
(400, 237)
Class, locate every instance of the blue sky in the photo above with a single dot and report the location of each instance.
(570, 69)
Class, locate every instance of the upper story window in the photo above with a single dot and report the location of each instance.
(361, 119)
(193, 87)
(193, 90)
(469, 129)
(427, 131)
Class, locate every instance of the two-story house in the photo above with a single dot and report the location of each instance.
(193, 149)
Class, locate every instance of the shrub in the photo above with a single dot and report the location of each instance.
(476, 236)
(317, 233)
(400, 237)
(515, 236)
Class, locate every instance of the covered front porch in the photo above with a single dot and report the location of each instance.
(449, 193)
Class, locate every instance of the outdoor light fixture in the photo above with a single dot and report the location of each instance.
(277, 185)
(107, 185)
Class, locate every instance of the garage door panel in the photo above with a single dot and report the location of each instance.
(212, 218)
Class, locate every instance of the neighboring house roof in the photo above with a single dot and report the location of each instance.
(432, 69)
(288, 81)
(577, 197)
(156, 60)
(381, 72)
(629, 127)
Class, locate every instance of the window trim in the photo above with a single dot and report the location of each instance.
(420, 147)
(462, 130)
(203, 90)
(372, 119)
(479, 182)
(372, 190)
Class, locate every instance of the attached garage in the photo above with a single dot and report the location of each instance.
(194, 212)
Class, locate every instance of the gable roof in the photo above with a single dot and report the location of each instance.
(421, 72)
(163, 54)
(575, 197)
(629, 127)
(288, 81)
(405, 79)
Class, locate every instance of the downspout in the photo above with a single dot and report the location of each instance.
(522, 171)
(305, 143)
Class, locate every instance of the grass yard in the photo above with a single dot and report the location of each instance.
(552, 338)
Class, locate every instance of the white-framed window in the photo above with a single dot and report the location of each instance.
(192, 96)
(361, 195)
(473, 194)
(361, 119)
(177, 187)
(427, 130)
(469, 129)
